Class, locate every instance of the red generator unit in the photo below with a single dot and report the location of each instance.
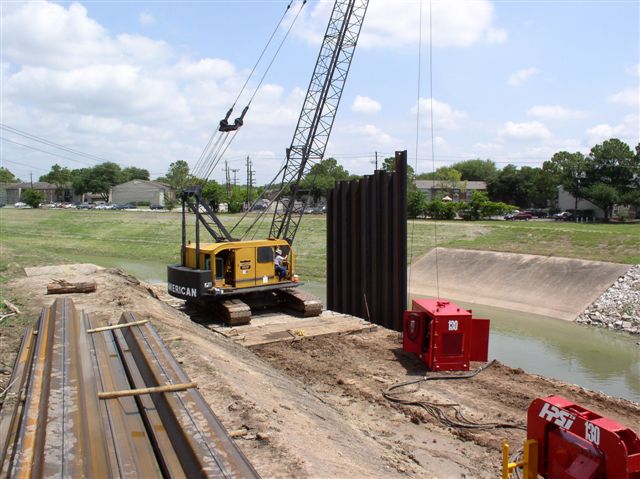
(444, 336)
(576, 443)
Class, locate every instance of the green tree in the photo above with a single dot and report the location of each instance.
(322, 177)
(99, 179)
(213, 193)
(479, 206)
(389, 164)
(32, 197)
(442, 210)
(570, 171)
(507, 187)
(476, 170)
(6, 176)
(416, 203)
(178, 175)
(132, 173)
(236, 201)
(603, 195)
(58, 176)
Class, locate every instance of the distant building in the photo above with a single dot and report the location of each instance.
(141, 191)
(459, 191)
(567, 202)
(11, 193)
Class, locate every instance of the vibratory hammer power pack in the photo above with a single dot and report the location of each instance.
(444, 336)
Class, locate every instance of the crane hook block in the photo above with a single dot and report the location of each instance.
(237, 123)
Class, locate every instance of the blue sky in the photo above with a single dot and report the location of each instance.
(145, 83)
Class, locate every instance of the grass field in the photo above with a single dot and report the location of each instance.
(38, 237)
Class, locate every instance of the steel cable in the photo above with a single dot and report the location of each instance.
(209, 164)
(437, 410)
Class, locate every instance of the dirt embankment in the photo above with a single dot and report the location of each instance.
(557, 287)
(314, 407)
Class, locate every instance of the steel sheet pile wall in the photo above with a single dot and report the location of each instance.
(55, 422)
(367, 246)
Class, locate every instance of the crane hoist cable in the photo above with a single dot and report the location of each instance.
(198, 165)
(210, 159)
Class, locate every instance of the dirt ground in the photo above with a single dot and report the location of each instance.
(314, 407)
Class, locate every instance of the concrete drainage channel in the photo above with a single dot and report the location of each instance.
(89, 401)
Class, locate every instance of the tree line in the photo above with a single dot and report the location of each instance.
(608, 175)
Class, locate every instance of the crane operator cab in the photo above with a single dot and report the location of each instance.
(216, 269)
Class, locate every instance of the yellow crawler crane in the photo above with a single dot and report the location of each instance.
(232, 274)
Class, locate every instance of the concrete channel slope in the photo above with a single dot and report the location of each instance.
(556, 287)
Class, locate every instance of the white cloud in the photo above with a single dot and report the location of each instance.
(373, 135)
(603, 132)
(627, 130)
(520, 76)
(555, 112)
(525, 131)
(444, 115)
(456, 23)
(125, 97)
(146, 18)
(48, 35)
(627, 97)
(364, 104)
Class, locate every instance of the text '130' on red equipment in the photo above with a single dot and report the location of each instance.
(444, 336)
(576, 443)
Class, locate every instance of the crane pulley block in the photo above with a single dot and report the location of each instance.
(576, 443)
(444, 336)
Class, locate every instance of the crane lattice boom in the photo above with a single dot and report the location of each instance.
(319, 109)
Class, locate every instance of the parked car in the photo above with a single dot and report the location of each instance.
(156, 207)
(104, 206)
(564, 216)
(127, 206)
(519, 215)
(86, 206)
(20, 204)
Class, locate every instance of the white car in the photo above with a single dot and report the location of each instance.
(20, 204)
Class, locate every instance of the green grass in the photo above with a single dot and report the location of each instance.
(41, 237)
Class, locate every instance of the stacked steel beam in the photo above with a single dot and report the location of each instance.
(85, 401)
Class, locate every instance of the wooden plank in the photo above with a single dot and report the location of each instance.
(296, 330)
(151, 390)
(117, 326)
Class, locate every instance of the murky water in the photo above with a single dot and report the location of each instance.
(596, 359)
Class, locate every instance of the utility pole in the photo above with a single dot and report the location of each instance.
(248, 181)
(227, 178)
(376, 162)
(31, 174)
(235, 179)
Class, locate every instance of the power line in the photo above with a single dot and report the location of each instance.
(50, 143)
(45, 151)
(23, 164)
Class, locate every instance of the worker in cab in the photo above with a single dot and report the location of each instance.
(280, 263)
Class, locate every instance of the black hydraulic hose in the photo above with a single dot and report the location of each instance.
(436, 410)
